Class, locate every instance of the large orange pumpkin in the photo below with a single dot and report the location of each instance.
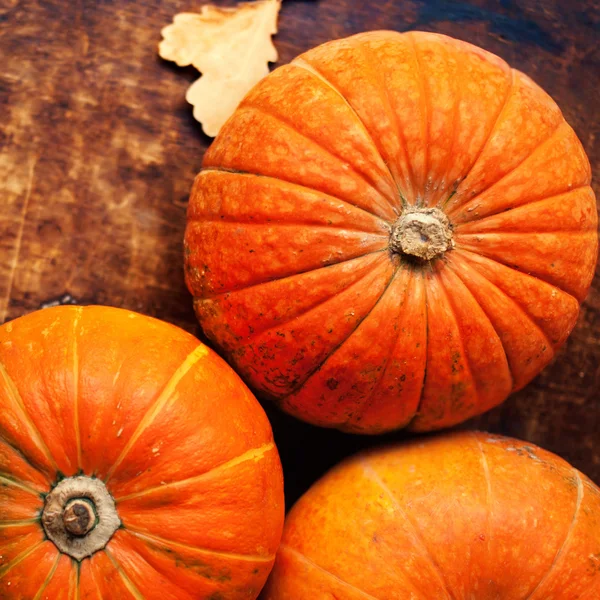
(468, 516)
(134, 463)
(393, 230)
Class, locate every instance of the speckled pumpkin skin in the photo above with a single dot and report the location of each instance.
(183, 446)
(288, 237)
(468, 516)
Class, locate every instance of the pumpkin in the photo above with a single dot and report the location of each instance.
(463, 516)
(134, 463)
(394, 230)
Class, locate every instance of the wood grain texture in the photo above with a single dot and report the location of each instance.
(98, 151)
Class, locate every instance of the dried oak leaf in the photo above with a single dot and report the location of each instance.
(231, 47)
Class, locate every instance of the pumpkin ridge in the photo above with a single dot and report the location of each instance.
(423, 283)
(484, 234)
(216, 169)
(121, 547)
(17, 483)
(384, 94)
(349, 273)
(463, 354)
(357, 417)
(126, 580)
(422, 395)
(258, 331)
(560, 551)
(19, 523)
(15, 396)
(254, 454)
(74, 581)
(13, 545)
(494, 125)
(240, 289)
(533, 320)
(301, 383)
(517, 307)
(418, 538)
(49, 577)
(364, 298)
(20, 454)
(510, 373)
(92, 578)
(563, 158)
(222, 553)
(245, 223)
(485, 467)
(457, 100)
(315, 72)
(464, 243)
(561, 124)
(20, 558)
(75, 366)
(285, 123)
(199, 352)
(424, 91)
(302, 558)
(474, 221)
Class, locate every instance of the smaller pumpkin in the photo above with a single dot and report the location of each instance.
(134, 463)
(463, 516)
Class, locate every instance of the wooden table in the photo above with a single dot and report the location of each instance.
(98, 150)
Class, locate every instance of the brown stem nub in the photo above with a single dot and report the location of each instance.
(79, 517)
(424, 233)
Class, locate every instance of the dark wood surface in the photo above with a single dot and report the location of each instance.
(98, 150)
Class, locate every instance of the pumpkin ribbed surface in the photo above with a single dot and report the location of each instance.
(127, 430)
(469, 516)
(293, 249)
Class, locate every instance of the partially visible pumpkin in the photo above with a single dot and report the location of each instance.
(393, 230)
(134, 463)
(469, 516)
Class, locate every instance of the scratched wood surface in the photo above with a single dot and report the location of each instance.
(98, 151)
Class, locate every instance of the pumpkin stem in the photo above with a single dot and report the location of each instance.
(425, 233)
(80, 516)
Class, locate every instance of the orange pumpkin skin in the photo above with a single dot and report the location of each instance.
(292, 252)
(463, 516)
(183, 447)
